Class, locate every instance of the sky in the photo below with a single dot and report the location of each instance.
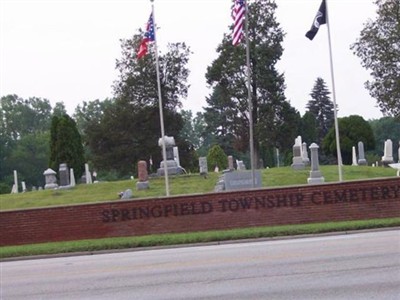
(65, 50)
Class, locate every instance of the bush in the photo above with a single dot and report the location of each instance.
(4, 188)
(217, 157)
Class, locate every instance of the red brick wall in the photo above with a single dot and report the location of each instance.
(355, 200)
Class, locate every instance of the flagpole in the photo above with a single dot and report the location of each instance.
(164, 150)
(339, 155)
(249, 95)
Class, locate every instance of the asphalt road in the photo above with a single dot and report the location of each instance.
(352, 266)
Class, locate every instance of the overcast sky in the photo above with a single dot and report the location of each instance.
(65, 50)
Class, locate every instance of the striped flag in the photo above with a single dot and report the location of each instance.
(238, 14)
(148, 37)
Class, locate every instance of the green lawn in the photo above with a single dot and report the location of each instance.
(179, 185)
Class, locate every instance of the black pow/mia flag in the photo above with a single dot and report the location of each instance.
(319, 19)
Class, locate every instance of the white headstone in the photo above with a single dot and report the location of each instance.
(176, 155)
(315, 173)
(388, 152)
(72, 181)
(50, 178)
(15, 187)
(88, 175)
(23, 186)
(354, 156)
(297, 160)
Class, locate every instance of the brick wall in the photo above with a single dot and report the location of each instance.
(354, 200)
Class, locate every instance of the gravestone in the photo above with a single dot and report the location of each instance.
(304, 154)
(398, 153)
(354, 156)
(315, 173)
(14, 189)
(88, 175)
(230, 163)
(361, 154)
(176, 155)
(297, 161)
(63, 174)
(203, 166)
(240, 165)
(50, 179)
(240, 180)
(171, 165)
(127, 194)
(143, 176)
(388, 153)
(23, 186)
(72, 178)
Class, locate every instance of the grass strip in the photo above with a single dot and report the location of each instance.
(191, 238)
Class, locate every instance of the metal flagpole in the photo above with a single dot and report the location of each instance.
(339, 155)
(164, 151)
(249, 95)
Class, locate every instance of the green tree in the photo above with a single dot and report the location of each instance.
(353, 129)
(59, 109)
(66, 145)
(21, 117)
(30, 158)
(228, 103)
(378, 48)
(24, 127)
(321, 107)
(383, 129)
(216, 157)
(88, 112)
(308, 129)
(128, 129)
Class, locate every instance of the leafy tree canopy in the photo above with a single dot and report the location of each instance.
(125, 130)
(227, 114)
(352, 129)
(379, 50)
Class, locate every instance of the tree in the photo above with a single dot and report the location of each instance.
(128, 129)
(21, 117)
(378, 48)
(353, 129)
(66, 145)
(216, 157)
(30, 158)
(228, 104)
(322, 109)
(24, 138)
(308, 130)
(88, 112)
(383, 129)
(59, 109)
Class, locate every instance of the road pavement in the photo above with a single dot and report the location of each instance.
(352, 266)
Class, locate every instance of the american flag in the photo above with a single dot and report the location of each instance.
(238, 12)
(148, 37)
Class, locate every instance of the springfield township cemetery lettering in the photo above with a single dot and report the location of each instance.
(274, 201)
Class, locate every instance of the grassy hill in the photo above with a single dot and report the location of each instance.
(179, 185)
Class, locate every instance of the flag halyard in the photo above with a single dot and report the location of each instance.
(319, 20)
